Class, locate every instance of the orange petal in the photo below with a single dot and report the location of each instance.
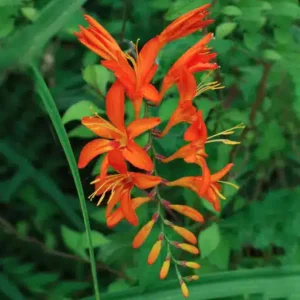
(117, 215)
(93, 149)
(183, 152)
(186, 24)
(113, 200)
(102, 127)
(153, 255)
(190, 182)
(189, 248)
(219, 175)
(184, 289)
(183, 113)
(117, 161)
(127, 208)
(185, 233)
(142, 235)
(104, 167)
(205, 175)
(188, 212)
(137, 156)
(147, 57)
(150, 92)
(197, 131)
(211, 197)
(137, 105)
(165, 269)
(139, 126)
(144, 181)
(115, 100)
(187, 86)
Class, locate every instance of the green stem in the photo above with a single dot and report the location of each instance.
(53, 113)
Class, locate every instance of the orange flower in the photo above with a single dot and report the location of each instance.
(186, 24)
(136, 78)
(196, 59)
(186, 211)
(194, 152)
(185, 112)
(117, 215)
(153, 255)
(144, 232)
(120, 186)
(212, 193)
(165, 268)
(116, 136)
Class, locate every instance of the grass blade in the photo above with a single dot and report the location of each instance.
(274, 283)
(51, 108)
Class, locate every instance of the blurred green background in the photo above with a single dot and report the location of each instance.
(248, 251)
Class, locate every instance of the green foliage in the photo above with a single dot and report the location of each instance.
(249, 250)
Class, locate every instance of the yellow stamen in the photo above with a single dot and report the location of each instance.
(229, 131)
(229, 183)
(227, 142)
(107, 179)
(203, 87)
(217, 192)
(112, 187)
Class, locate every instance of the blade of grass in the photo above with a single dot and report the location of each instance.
(51, 108)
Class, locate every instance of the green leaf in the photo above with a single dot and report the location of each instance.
(63, 137)
(225, 29)
(119, 285)
(231, 10)
(270, 54)
(220, 256)
(205, 105)
(79, 110)
(81, 131)
(36, 282)
(252, 40)
(209, 239)
(97, 76)
(8, 288)
(30, 13)
(98, 239)
(27, 43)
(73, 240)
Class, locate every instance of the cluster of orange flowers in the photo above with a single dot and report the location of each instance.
(133, 79)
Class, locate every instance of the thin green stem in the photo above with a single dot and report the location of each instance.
(53, 113)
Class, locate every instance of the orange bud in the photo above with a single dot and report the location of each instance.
(187, 247)
(154, 252)
(190, 264)
(188, 212)
(184, 289)
(165, 269)
(186, 234)
(192, 278)
(143, 234)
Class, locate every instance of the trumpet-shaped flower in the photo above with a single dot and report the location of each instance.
(185, 112)
(196, 59)
(115, 135)
(213, 192)
(120, 186)
(194, 152)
